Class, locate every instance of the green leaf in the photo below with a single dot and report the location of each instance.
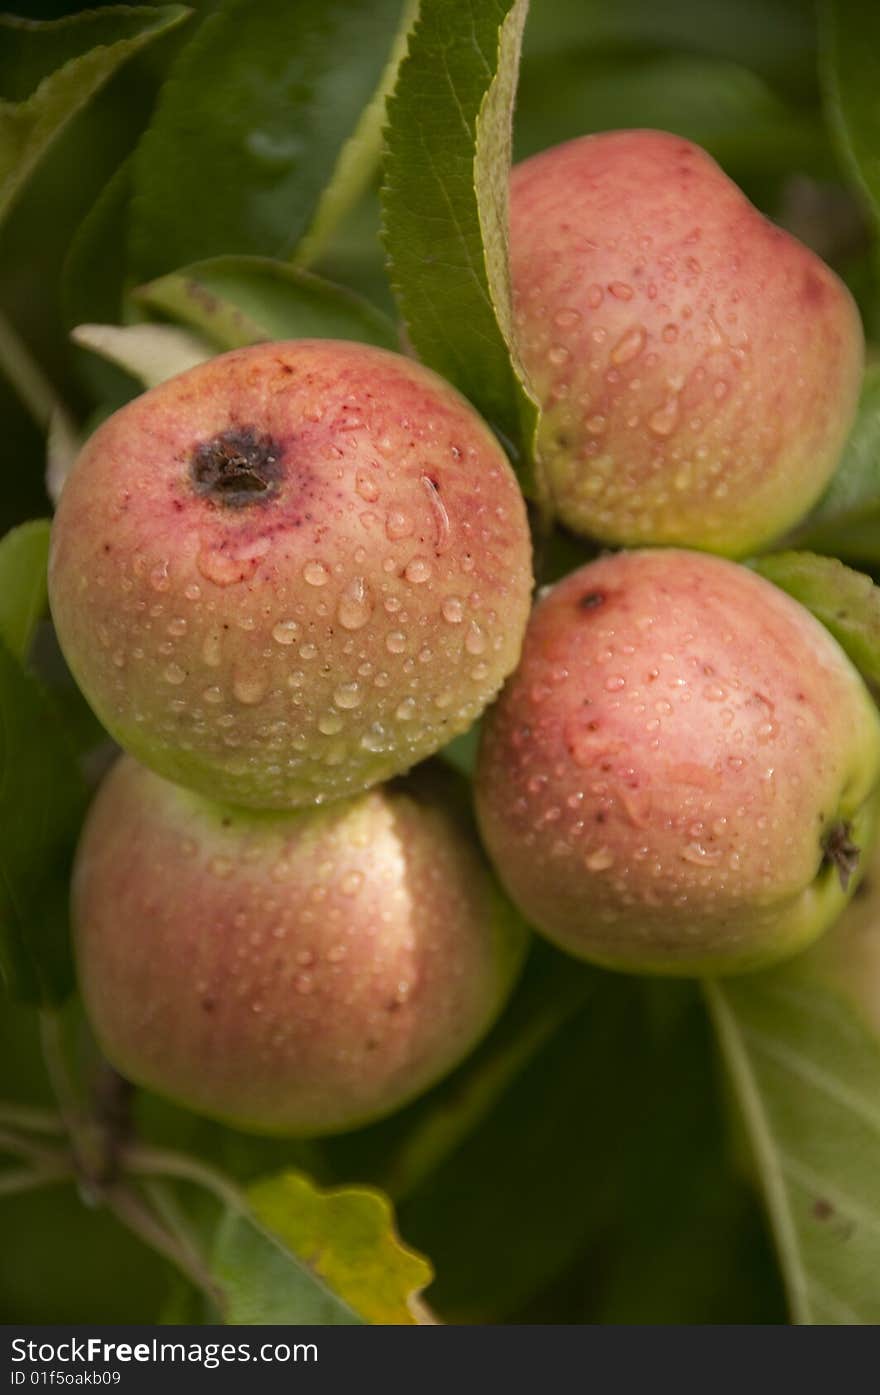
(775, 38)
(150, 353)
(846, 521)
(359, 158)
(42, 798)
(242, 300)
(250, 125)
(445, 200)
(683, 1201)
(263, 1282)
(347, 1237)
(24, 554)
(805, 1072)
(530, 1150)
(94, 269)
(847, 602)
(851, 72)
(49, 70)
(732, 112)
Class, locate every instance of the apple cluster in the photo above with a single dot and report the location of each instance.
(293, 573)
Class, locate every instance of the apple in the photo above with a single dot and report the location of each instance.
(291, 572)
(291, 973)
(698, 368)
(684, 771)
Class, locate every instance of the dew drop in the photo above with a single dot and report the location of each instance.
(398, 524)
(355, 605)
(629, 347)
(249, 688)
(348, 696)
(315, 573)
(285, 632)
(475, 640)
(366, 487)
(599, 860)
(395, 642)
(174, 674)
(699, 855)
(351, 885)
(453, 610)
(330, 723)
(221, 569)
(159, 577)
(665, 419)
(417, 571)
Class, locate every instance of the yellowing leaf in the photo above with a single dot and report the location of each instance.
(347, 1238)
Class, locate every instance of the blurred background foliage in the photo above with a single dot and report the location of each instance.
(597, 1211)
(740, 78)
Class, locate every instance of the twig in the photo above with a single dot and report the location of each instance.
(161, 1196)
(128, 1208)
(25, 1179)
(141, 1159)
(18, 1144)
(22, 1116)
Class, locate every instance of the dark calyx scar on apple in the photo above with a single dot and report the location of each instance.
(237, 468)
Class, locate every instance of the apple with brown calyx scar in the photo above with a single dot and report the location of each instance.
(291, 572)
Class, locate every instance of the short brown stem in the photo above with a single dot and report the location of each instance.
(840, 850)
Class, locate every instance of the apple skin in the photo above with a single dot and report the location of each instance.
(291, 572)
(292, 973)
(698, 368)
(658, 781)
